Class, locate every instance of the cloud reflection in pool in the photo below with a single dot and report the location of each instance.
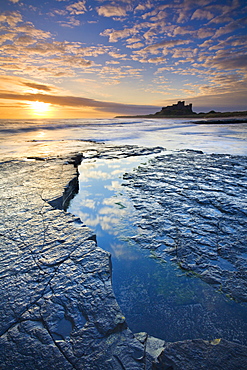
(154, 297)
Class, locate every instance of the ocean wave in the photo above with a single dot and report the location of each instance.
(12, 127)
(168, 133)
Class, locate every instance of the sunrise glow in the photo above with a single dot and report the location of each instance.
(105, 58)
(40, 109)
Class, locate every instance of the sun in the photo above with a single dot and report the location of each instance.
(39, 108)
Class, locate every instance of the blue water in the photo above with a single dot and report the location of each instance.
(154, 296)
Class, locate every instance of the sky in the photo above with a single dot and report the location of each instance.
(102, 58)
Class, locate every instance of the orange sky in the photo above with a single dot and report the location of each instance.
(97, 59)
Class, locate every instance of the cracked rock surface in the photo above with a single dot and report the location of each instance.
(57, 307)
(191, 207)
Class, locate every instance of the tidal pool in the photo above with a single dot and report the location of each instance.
(154, 295)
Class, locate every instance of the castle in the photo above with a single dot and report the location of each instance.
(178, 109)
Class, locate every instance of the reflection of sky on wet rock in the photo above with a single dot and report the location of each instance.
(100, 203)
(154, 296)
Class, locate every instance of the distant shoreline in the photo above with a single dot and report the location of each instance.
(231, 117)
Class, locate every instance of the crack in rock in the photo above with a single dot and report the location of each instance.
(57, 308)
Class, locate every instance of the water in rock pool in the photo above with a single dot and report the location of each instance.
(155, 297)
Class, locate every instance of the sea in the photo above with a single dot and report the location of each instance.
(157, 298)
(43, 136)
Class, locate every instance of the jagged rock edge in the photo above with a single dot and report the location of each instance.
(161, 361)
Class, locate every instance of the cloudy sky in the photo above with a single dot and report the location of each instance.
(69, 59)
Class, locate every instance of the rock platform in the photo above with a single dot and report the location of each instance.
(192, 207)
(57, 307)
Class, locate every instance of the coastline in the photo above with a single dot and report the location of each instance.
(231, 116)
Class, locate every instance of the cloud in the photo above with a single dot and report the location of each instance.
(162, 69)
(161, 15)
(227, 79)
(52, 71)
(36, 86)
(225, 11)
(112, 10)
(164, 47)
(204, 33)
(237, 40)
(70, 23)
(73, 101)
(114, 36)
(185, 9)
(183, 31)
(11, 18)
(77, 8)
(226, 61)
(112, 62)
(24, 40)
(145, 6)
(232, 43)
(133, 39)
(113, 74)
(206, 44)
(154, 48)
(220, 101)
(73, 61)
(136, 45)
(6, 37)
(184, 53)
(116, 55)
(230, 27)
(202, 14)
(14, 1)
(155, 15)
(29, 30)
(14, 83)
(155, 60)
(59, 12)
(221, 19)
(150, 35)
(183, 16)
(27, 50)
(188, 91)
(209, 38)
(12, 67)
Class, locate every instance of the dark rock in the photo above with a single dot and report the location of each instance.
(179, 109)
(217, 354)
(69, 192)
(76, 160)
(36, 158)
(221, 121)
(195, 204)
(57, 307)
(57, 203)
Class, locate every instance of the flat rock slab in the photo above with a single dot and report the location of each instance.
(57, 307)
(192, 208)
(204, 355)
